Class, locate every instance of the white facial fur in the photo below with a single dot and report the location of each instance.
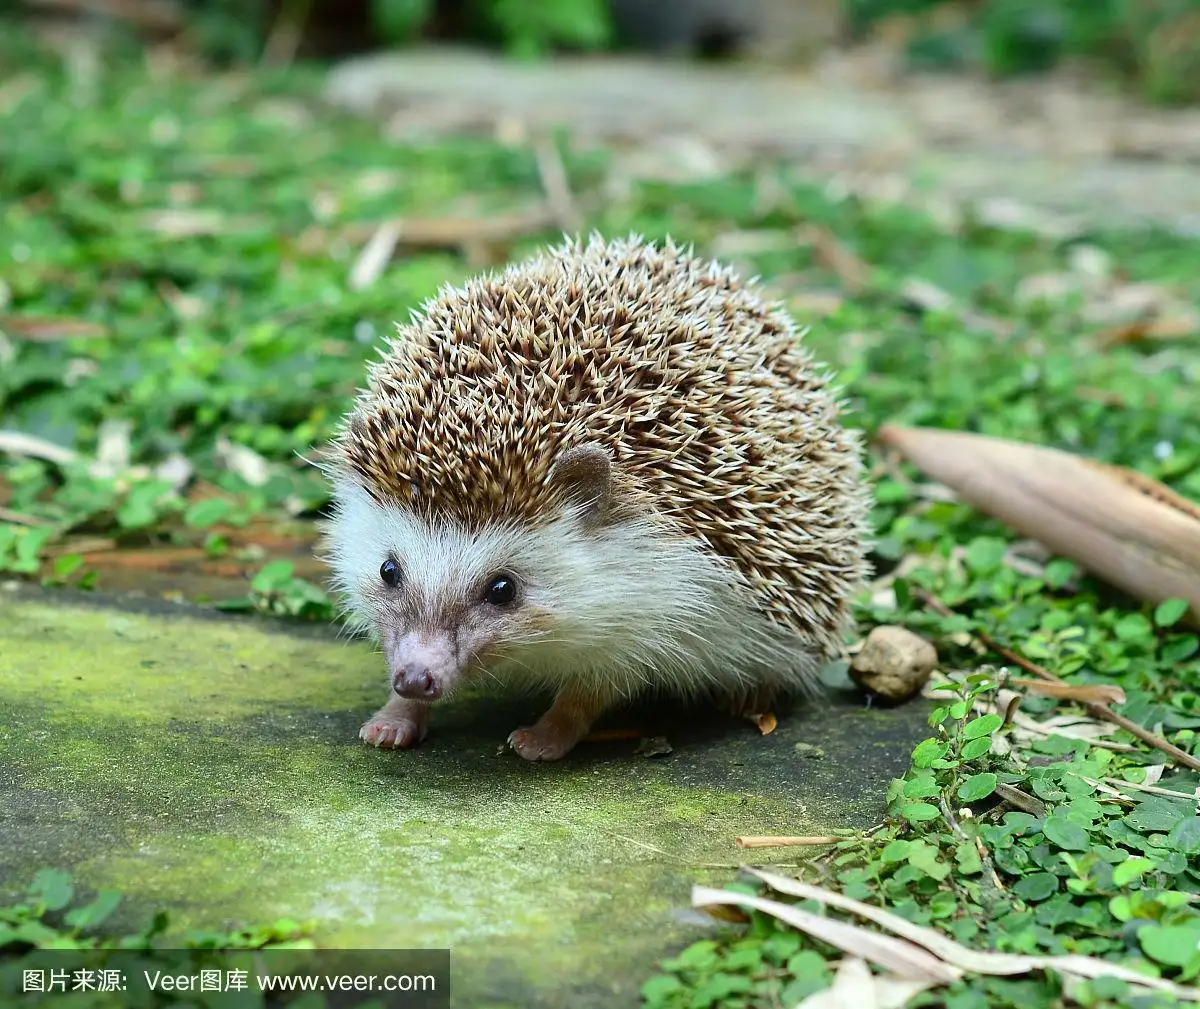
(628, 606)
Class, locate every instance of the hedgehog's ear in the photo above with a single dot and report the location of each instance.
(584, 474)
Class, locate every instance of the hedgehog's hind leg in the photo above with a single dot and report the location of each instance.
(576, 707)
(399, 724)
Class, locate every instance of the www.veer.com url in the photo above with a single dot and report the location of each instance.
(347, 982)
(300, 982)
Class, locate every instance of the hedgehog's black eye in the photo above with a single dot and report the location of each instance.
(501, 591)
(390, 573)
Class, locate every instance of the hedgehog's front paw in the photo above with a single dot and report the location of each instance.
(391, 734)
(566, 722)
(543, 742)
(396, 726)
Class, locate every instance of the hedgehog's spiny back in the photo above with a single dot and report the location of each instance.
(696, 386)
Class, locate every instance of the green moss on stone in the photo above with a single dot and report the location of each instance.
(213, 768)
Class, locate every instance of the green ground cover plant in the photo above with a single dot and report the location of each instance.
(174, 297)
(51, 915)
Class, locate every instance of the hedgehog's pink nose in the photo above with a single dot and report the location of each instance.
(415, 684)
(422, 666)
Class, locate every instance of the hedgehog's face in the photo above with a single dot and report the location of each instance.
(442, 603)
(444, 613)
(445, 602)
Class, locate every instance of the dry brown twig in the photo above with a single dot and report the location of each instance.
(286, 34)
(375, 256)
(44, 329)
(852, 271)
(1015, 797)
(1101, 693)
(83, 547)
(471, 236)
(1153, 789)
(555, 183)
(21, 519)
(784, 841)
(1093, 708)
(984, 857)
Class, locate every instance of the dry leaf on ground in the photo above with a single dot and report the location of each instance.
(954, 954)
(1100, 693)
(18, 443)
(898, 955)
(855, 985)
(765, 723)
(1122, 526)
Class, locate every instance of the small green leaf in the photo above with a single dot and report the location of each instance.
(923, 857)
(919, 812)
(973, 749)
(52, 889)
(921, 788)
(1065, 833)
(660, 990)
(1158, 814)
(985, 554)
(95, 913)
(809, 972)
(273, 577)
(34, 933)
(1169, 612)
(927, 752)
(896, 851)
(67, 565)
(976, 787)
(1059, 572)
(206, 513)
(719, 988)
(808, 963)
(30, 543)
(1018, 821)
(1036, 887)
(143, 504)
(983, 726)
(1126, 872)
(967, 857)
(1176, 649)
(942, 905)
(1185, 836)
(1133, 627)
(699, 956)
(1174, 945)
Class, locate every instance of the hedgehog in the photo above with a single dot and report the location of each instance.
(609, 470)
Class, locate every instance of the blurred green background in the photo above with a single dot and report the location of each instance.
(1151, 47)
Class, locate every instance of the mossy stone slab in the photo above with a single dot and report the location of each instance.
(212, 767)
